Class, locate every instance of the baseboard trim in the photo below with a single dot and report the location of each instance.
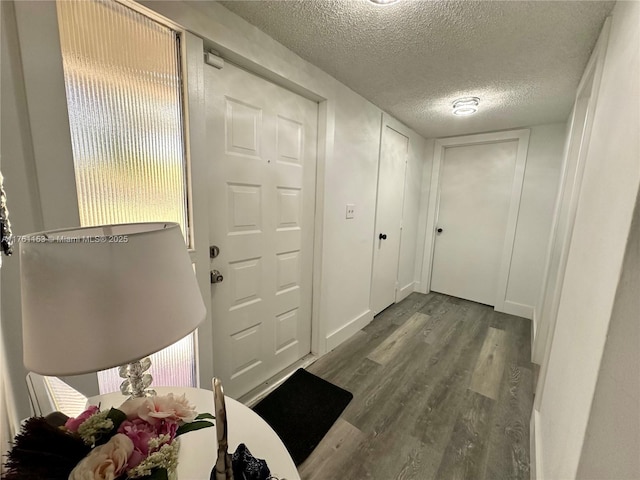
(535, 450)
(419, 287)
(343, 333)
(518, 309)
(405, 291)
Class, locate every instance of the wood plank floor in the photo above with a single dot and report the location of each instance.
(442, 390)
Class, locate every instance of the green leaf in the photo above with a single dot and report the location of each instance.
(117, 417)
(205, 415)
(190, 427)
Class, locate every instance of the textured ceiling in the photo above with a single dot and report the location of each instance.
(524, 59)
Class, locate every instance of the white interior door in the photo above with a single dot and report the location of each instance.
(393, 162)
(476, 184)
(262, 146)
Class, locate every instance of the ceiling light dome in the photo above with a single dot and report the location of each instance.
(383, 2)
(466, 106)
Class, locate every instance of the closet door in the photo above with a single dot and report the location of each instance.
(475, 195)
(394, 150)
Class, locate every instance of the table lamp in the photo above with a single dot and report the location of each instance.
(99, 297)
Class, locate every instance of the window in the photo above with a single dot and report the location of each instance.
(124, 94)
(172, 366)
(65, 398)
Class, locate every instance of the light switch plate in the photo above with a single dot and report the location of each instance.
(351, 210)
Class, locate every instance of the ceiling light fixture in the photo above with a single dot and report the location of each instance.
(383, 2)
(466, 106)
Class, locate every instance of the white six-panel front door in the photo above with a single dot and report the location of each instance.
(262, 155)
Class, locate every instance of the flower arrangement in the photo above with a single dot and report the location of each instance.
(138, 440)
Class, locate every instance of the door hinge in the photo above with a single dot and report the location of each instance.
(214, 59)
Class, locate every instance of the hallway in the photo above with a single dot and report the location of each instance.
(442, 390)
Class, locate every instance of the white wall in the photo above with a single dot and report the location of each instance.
(18, 168)
(7, 406)
(541, 177)
(601, 230)
(612, 442)
(350, 177)
(6, 399)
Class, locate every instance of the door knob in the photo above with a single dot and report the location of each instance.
(439, 230)
(382, 236)
(216, 276)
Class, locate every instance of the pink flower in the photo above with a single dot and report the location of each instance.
(139, 432)
(72, 424)
(158, 408)
(106, 462)
(168, 428)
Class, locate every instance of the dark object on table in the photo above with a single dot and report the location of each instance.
(6, 237)
(43, 451)
(248, 467)
(56, 419)
(302, 410)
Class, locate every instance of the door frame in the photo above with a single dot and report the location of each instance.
(522, 136)
(578, 147)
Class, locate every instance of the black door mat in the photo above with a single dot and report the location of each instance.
(302, 410)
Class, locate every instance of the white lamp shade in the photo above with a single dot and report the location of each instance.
(94, 298)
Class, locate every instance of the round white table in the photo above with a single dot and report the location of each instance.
(199, 449)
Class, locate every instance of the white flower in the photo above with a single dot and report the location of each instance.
(106, 462)
(165, 457)
(160, 407)
(95, 426)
